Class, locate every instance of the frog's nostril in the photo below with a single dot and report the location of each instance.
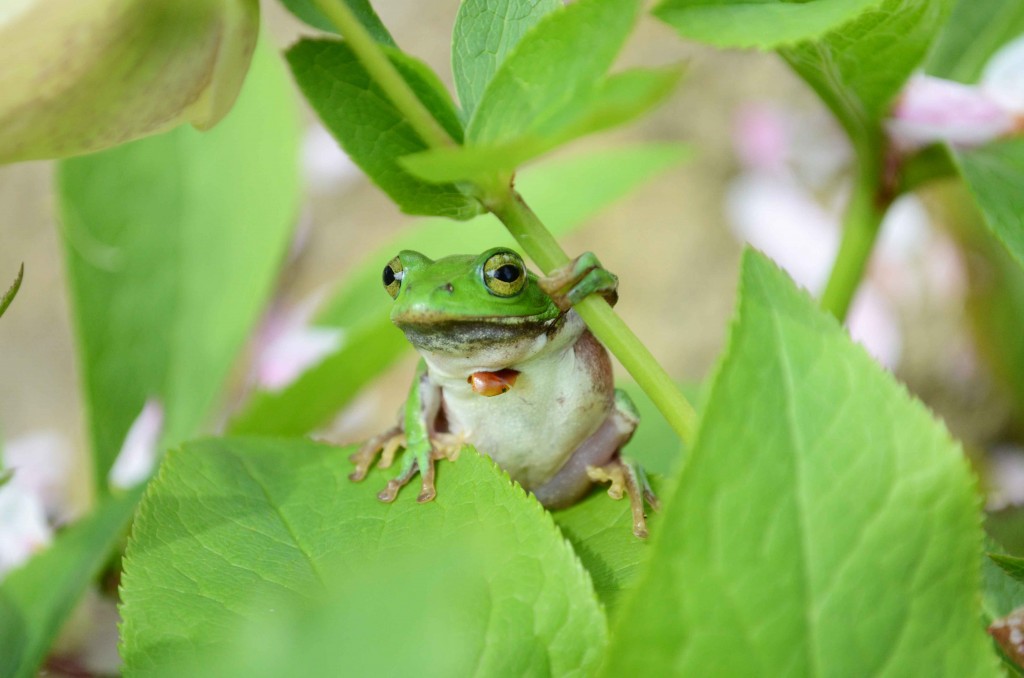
(447, 287)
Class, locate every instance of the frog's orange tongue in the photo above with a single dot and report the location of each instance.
(493, 383)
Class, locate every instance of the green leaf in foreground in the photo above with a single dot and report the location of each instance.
(371, 130)
(975, 30)
(172, 244)
(564, 192)
(823, 523)
(234, 528)
(858, 68)
(37, 598)
(12, 291)
(485, 33)
(995, 174)
(765, 25)
(552, 69)
(308, 11)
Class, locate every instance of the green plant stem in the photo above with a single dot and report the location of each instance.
(383, 72)
(525, 227)
(861, 223)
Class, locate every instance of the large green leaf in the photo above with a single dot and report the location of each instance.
(371, 130)
(308, 11)
(173, 243)
(995, 174)
(12, 291)
(234, 528)
(552, 70)
(484, 34)
(858, 68)
(766, 24)
(90, 74)
(565, 193)
(37, 598)
(823, 524)
(975, 30)
(618, 99)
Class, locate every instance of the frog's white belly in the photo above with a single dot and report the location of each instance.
(531, 430)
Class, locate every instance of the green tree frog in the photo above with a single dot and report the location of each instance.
(509, 367)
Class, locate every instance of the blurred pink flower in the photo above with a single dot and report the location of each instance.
(931, 110)
(327, 166)
(287, 345)
(23, 526)
(43, 463)
(138, 456)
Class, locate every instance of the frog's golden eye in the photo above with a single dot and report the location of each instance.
(393, 274)
(505, 274)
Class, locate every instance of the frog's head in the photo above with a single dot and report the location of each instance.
(466, 302)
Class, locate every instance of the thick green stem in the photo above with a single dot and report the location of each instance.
(863, 217)
(535, 239)
(541, 246)
(384, 73)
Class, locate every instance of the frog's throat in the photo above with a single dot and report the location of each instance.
(468, 334)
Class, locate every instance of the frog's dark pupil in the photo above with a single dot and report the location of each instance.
(507, 273)
(389, 276)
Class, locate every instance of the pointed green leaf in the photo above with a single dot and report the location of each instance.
(308, 11)
(234, 528)
(995, 174)
(173, 244)
(553, 69)
(619, 99)
(36, 598)
(565, 193)
(81, 76)
(766, 25)
(371, 130)
(858, 68)
(1012, 565)
(975, 30)
(12, 291)
(824, 522)
(484, 34)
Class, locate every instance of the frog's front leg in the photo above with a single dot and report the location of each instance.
(416, 433)
(599, 459)
(584, 275)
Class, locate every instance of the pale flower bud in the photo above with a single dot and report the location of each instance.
(934, 110)
(77, 76)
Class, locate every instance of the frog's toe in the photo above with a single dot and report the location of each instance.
(627, 477)
(387, 443)
(584, 275)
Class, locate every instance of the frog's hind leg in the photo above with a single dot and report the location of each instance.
(627, 476)
(386, 444)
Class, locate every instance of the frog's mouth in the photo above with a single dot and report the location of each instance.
(447, 335)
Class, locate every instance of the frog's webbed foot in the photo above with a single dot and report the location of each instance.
(582, 276)
(419, 458)
(626, 476)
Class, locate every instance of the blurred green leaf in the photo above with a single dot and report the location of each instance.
(765, 25)
(1011, 565)
(485, 32)
(1007, 528)
(564, 192)
(858, 68)
(81, 76)
(554, 69)
(173, 244)
(617, 100)
(308, 11)
(975, 30)
(800, 540)
(234, 528)
(995, 174)
(371, 130)
(36, 598)
(12, 291)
